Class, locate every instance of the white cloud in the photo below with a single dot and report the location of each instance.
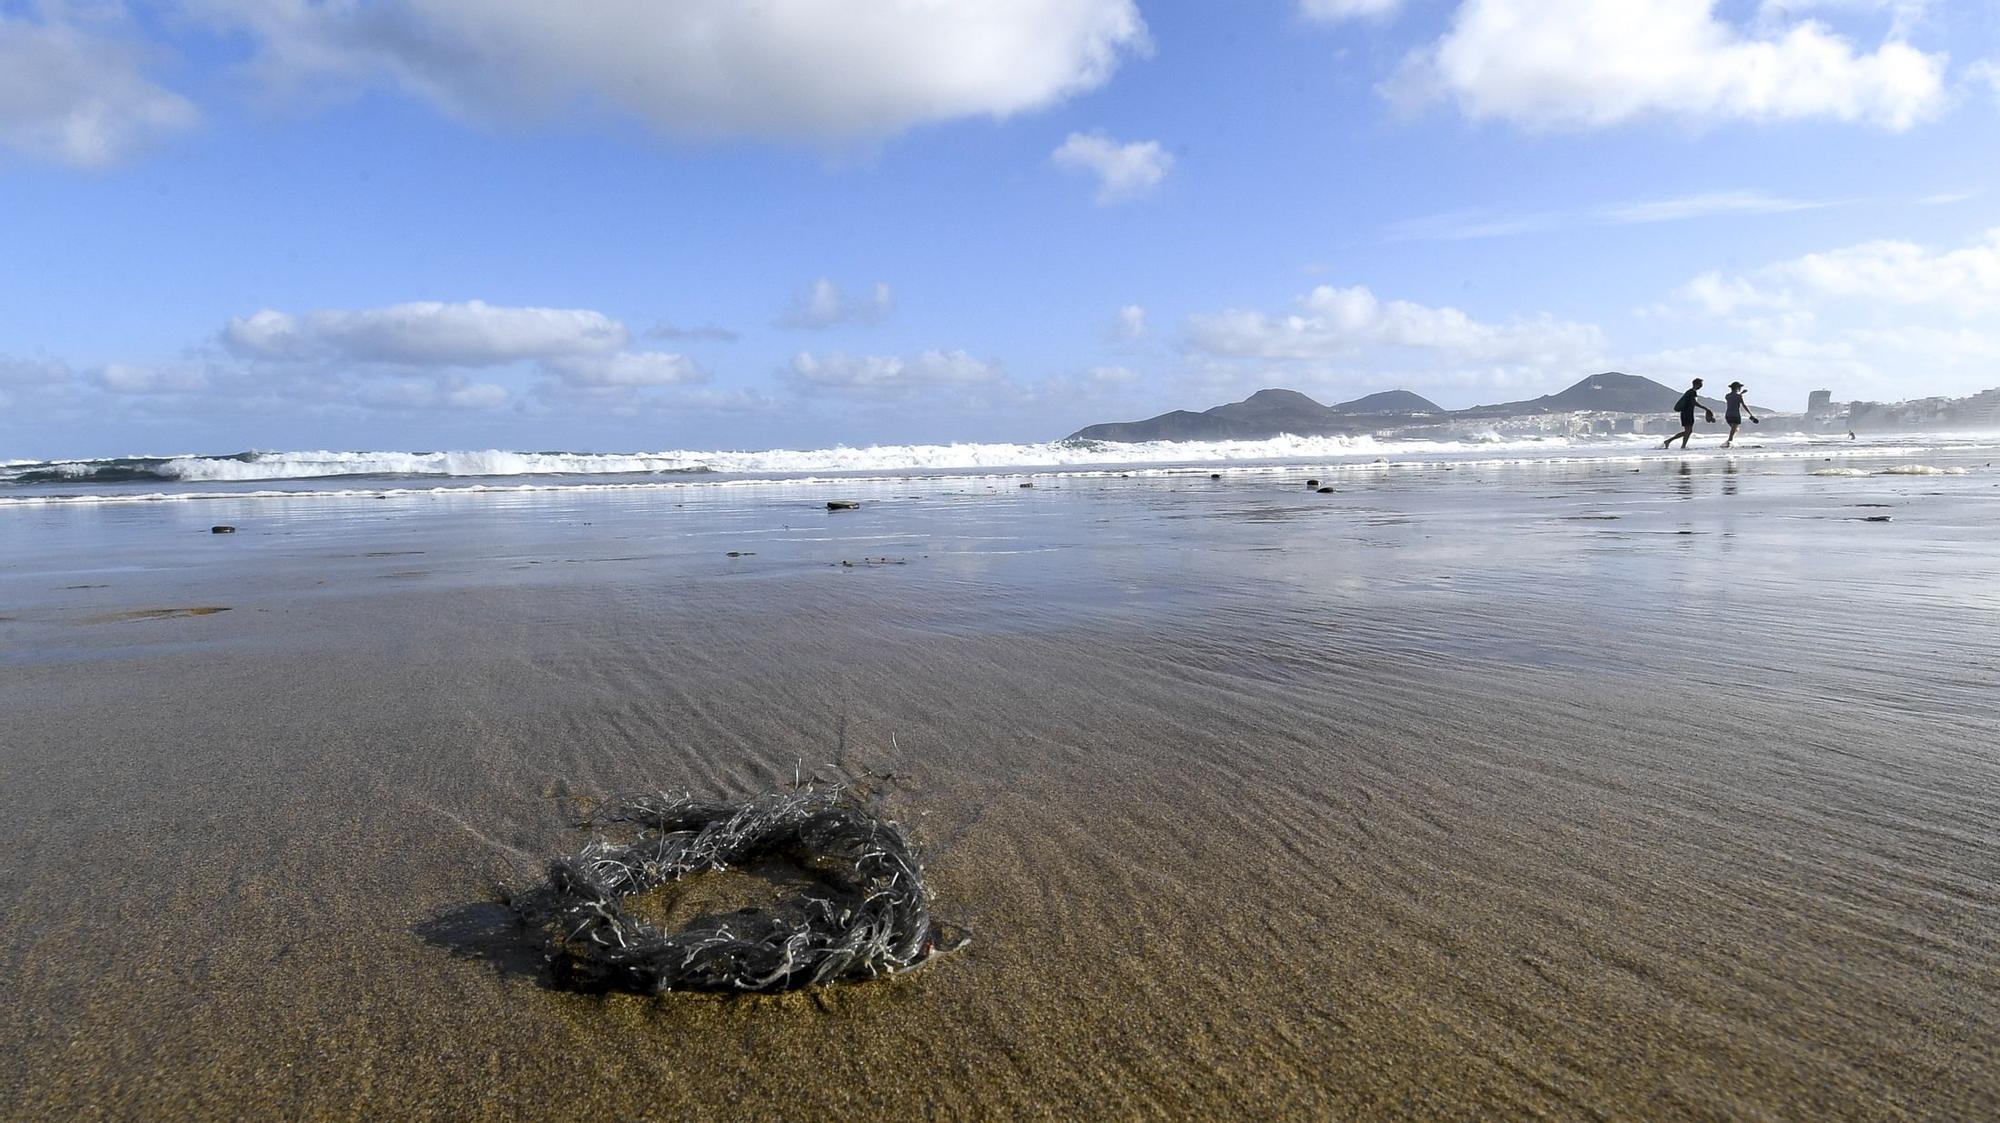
(1465, 225)
(627, 368)
(1707, 205)
(253, 385)
(1337, 339)
(1963, 283)
(1334, 10)
(1580, 64)
(1130, 324)
(819, 70)
(890, 374)
(427, 333)
(824, 305)
(73, 90)
(377, 357)
(125, 378)
(1870, 320)
(1124, 171)
(1333, 323)
(1113, 376)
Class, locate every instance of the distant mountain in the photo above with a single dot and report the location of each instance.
(1610, 392)
(1272, 413)
(1391, 401)
(1266, 413)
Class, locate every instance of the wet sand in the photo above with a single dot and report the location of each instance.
(1446, 795)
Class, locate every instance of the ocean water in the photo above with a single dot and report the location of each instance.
(281, 474)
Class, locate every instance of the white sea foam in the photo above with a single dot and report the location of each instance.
(843, 459)
(199, 477)
(1921, 470)
(323, 493)
(905, 458)
(488, 462)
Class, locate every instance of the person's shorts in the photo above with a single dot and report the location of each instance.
(1687, 418)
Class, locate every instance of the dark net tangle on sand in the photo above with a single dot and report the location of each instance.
(866, 914)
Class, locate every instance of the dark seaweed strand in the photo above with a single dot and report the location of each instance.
(871, 916)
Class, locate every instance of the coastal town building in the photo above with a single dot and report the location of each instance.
(1979, 411)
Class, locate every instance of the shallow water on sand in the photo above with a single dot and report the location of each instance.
(1465, 791)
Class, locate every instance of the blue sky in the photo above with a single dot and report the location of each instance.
(428, 224)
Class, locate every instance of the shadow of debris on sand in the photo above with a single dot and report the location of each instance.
(489, 932)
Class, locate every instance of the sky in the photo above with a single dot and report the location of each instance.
(638, 225)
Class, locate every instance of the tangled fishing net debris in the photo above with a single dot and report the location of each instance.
(866, 915)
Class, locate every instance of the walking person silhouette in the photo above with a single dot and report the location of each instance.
(1689, 402)
(1734, 408)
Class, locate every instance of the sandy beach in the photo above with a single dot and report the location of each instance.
(1662, 789)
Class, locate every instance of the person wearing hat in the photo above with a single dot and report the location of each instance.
(1733, 412)
(1689, 402)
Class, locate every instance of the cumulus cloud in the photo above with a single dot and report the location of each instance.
(467, 357)
(1335, 10)
(890, 374)
(1124, 171)
(825, 305)
(412, 356)
(1962, 283)
(73, 88)
(1339, 338)
(819, 70)
(426, 333)
(1866, 320)
(1581, 64)
(1330, 323)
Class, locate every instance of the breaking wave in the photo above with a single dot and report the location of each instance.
(330, 473)
(249, 466)
(255, 466)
